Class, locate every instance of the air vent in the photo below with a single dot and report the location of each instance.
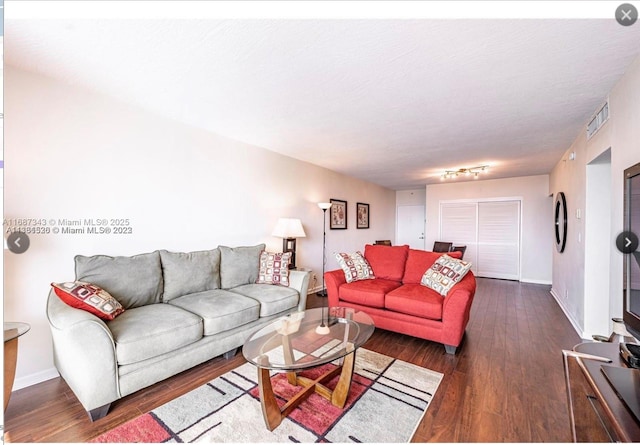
(598, 120)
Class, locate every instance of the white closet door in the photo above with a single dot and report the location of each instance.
(458, 224)
(499, 239)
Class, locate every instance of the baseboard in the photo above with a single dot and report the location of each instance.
(573, 322)
(32, 379)
(533, 281)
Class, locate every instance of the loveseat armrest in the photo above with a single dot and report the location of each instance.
(299, 280)
(456, 309)
(84, 353)
(333, 279)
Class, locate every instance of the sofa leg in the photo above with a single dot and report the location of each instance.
(230, 354)
(450, 349)
(99, 413)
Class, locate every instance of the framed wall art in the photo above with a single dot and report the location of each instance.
(338, 214)
(362, 212)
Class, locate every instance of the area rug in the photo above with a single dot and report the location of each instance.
(387, 400)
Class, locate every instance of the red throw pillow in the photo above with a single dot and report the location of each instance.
(90, 298)
(387, 262)
(418, 261)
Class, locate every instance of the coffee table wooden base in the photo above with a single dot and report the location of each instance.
(273, 414)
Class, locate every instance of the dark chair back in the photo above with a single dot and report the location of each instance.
(441, 246)
(459, 249)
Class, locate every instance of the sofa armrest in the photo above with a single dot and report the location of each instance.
(84, 353)
(332, 282)
(299, 280)
(456, 309)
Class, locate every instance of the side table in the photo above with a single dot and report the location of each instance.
(12, 330)
(596, 413)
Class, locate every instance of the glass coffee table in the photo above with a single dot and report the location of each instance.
(12, 330)
(305, 340)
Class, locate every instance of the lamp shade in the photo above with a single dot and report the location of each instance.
(289, 228)
(324, 205)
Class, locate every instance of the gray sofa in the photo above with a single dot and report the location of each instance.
(181, 309)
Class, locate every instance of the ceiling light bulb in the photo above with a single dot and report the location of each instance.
(475, 175)
(467, 172)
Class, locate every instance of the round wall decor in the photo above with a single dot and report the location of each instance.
(561, 222)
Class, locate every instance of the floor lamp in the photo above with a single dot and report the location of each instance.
(324, 206)
(323, 329)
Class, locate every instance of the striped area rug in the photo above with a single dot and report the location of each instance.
(388, 398)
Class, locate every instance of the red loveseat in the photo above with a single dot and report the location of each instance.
(396, 301)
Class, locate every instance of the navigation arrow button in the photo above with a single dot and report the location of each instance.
(18, 242)
(627, 242)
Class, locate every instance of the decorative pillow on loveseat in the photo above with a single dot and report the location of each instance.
(445, 273)
(89, 297)
(274, 268)
(355, 266)
(418, 261)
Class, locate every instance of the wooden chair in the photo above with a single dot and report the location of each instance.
(383, 242)
(460, 249)
(441, 246)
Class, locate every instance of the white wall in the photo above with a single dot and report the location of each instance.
(621, 135)
(537, 235)
(75, 154)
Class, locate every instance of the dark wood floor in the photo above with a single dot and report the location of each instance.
(504, 385)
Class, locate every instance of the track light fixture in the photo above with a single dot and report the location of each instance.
(471, 171)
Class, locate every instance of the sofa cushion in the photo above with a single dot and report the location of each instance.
(220, 310)
(445, 273)
(273, 299)
(415, 299)
(149, 331)
(239, 265)
(367, 292)
(274, 268)
(418, 261)
(134, 281)
(90, 298)
(355, 266)
(188, 273)
(387, 262)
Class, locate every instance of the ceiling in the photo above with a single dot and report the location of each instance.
(393, 102)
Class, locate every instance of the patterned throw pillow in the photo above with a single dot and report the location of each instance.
(90, 298)
(274, 268)
(355, 266)
(445, 273)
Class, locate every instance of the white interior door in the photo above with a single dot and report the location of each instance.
(499, 239)
(491, 232)
(410, 226)
(459, 225)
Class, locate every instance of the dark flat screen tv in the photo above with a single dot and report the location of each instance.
(631, 309)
